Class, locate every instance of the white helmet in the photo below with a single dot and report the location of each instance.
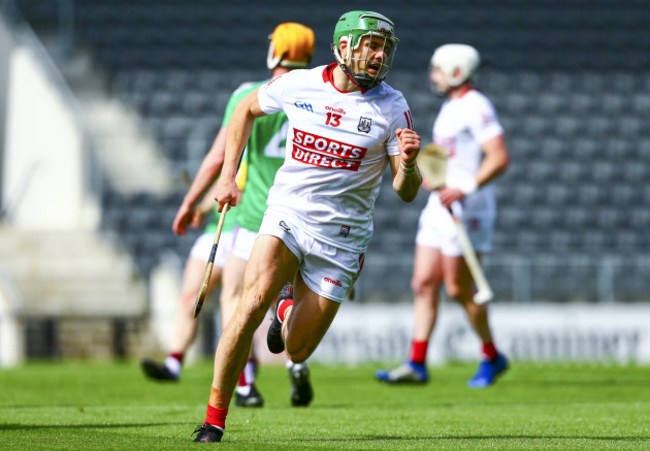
(458, 62)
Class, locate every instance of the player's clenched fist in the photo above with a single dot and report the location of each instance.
(409, 144)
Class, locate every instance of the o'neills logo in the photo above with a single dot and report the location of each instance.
(340, 111)
(333, 282)
(326, 152)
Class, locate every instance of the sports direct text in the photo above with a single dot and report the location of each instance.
(326, 152)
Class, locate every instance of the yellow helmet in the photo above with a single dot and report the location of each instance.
(291, 45)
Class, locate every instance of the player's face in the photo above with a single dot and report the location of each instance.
(370, 54)
(438, 79)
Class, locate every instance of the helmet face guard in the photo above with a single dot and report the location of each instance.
(352, 28)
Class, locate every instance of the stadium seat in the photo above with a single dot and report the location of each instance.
(571, 92)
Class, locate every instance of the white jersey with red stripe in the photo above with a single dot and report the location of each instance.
(461, 127)
(337, 151)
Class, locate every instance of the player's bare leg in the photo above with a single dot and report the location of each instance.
(271, 265)
(301, 319)
(185, 325)
(459, 286)
(306, 321)
(233, 275)
(231, 288)
(425, 283)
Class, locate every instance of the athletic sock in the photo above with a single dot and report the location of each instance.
(490, 351)
(282, 309)
(178, 356)
(216, 417)
(246, 378)
(243, 390)
(418, 353)
(174, 363)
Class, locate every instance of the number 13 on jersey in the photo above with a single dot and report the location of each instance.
(333, 119)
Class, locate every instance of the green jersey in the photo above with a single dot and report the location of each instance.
(263, 156)
(230, 220)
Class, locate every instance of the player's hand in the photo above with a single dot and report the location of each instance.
(183, 217)
(197, 218)
(408, 142)
(449, 195)
(226, 193)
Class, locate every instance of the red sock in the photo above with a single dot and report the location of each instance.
(490, 351)
(178, 356)
(216, 417)
(284, 305)
(419, 351)
(242, 379)
(247, 376)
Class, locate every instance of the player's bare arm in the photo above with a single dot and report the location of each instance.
(495, 162)
(239, 131)
(204, 179)
(406, 176)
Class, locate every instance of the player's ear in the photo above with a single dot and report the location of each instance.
(343, 48)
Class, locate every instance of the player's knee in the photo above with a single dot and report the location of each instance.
(416, 285)
(453, 291)
(298, 352)
(423, 286)
(299, 357)
(460, 294)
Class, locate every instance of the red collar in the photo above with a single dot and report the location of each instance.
(328, 77)
(467, 91)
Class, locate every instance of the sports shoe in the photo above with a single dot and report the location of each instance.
(488, 372)
(408, 372)
(274, 336)
(301, 391)
(252, 399)
(157, 371)
(207, 433)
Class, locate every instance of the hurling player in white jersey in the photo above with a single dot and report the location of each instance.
(345, 127)
(290, 46)
(467, 127)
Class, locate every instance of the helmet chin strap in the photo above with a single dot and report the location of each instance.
(361, 80)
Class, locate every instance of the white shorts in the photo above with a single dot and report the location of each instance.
(328, 271)
(242, 243)
(436, 227)
(203, 246)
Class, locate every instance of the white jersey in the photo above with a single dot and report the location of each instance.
(337, 151)
(462, 126)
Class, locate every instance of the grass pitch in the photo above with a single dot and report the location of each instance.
(83, 405)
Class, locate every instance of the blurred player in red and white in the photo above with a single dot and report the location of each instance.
(345, 127)
(467, 127)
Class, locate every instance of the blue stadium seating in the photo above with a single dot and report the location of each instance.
(567, 78)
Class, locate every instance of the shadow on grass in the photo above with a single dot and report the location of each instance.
(379, 438)
(17, 427)
(607, 383)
